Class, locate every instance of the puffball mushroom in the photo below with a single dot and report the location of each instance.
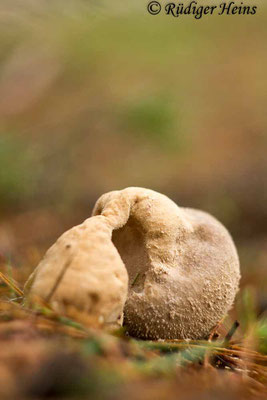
(82, 275)
(182, 266)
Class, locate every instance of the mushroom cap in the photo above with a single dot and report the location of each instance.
(182, 263)
(82, 275)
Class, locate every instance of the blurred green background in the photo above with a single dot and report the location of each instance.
(99, 95)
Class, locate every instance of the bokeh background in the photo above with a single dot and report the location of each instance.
(98, 95)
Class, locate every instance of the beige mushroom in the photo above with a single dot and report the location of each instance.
(82, 276)
(182, 265)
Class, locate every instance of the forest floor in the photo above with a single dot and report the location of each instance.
(46, 355)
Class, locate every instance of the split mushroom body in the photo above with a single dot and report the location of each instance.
(182, 266)
(82, 276)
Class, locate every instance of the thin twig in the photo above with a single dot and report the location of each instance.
(135, 279)
(230, 334)
(59, 279)
(11, 284)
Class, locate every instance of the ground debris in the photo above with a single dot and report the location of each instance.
(46, 355)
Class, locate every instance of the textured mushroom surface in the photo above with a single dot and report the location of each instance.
(82, 275)
(182, 264)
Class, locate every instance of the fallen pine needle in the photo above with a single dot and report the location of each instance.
(11, 284)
